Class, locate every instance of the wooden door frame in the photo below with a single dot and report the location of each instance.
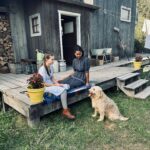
(78, 26)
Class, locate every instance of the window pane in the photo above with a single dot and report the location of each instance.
(34, 21)
(37, 29)
(125, 14)
(35, 25)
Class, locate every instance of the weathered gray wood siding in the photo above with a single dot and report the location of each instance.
(18, 32)
(49, 26)
(105, 19)
(96, 26)
(49, 40)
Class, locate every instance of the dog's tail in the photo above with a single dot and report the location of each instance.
(122, 118)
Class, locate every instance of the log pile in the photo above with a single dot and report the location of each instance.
(6, 51)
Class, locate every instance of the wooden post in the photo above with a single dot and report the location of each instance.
(3, 104)
(34, 116)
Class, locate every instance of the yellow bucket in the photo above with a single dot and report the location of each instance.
(36, 95)
(137, 65)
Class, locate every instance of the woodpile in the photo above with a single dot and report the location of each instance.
(6, 52)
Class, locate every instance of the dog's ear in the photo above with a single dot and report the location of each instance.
(101, 93)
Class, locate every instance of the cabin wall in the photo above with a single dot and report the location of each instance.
(18, 31)
(96, 26)
(49, 26)
(15, 14)
(108, 17)
(50, 40)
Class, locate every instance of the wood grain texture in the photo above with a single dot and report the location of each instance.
(96, 25)
(105, 19)
(18, 30)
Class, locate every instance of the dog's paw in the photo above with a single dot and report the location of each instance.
(99, 120)
(94, 115)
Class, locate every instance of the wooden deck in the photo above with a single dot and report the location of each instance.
(12, 84)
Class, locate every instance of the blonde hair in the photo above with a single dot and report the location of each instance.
(46, 57)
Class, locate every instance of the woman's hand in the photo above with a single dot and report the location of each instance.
(66, 77)
(58, 84)
(43, 84)
(57, 81)
(87, 84)
(55, 84)
(62, 79)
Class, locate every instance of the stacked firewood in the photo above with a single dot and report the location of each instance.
(6, 52)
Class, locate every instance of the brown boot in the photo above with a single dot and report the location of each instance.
(67, 114)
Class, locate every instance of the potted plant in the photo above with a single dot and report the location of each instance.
(138, 62)
(35, 88)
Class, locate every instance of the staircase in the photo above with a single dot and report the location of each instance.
(133, 86)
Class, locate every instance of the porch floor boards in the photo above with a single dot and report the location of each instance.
(13, 84)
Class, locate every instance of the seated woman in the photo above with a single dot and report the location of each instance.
(81, 67)
(51, 84)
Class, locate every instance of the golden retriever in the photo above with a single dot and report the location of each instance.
(104, 105)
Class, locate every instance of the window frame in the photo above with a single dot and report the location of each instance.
(129, 13)
(32, 33)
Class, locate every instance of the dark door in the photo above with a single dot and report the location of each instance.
(69, 37)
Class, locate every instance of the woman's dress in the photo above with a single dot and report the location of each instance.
(56, 90)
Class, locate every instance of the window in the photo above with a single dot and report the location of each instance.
(68, 27)
(125, 14)
(89, 2)
(35, 25)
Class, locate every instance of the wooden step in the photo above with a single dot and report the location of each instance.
(143, 94)
(136, 84)
(128, 76)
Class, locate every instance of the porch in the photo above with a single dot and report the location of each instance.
(12, 84)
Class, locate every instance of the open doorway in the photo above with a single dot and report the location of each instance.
(70, 34)
(69, 37)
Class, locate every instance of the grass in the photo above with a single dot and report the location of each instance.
(58, 133)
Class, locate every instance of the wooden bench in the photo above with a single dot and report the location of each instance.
(105, 53)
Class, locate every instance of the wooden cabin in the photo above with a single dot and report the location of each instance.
(57, 25)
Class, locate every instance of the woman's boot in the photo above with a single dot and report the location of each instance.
(67, 114)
